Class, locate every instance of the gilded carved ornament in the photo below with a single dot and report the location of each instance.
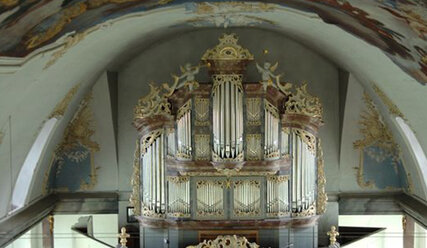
(392, 108)
(178, 179)
(226, 241)
(62, 106)
(310, 211)
(322, 197)
(375, 133)
(374, 130)
(278, 179)
(308, 138)
(227, 49)
(134, 199)
(80, 131)
(155, 103)
(302, 102)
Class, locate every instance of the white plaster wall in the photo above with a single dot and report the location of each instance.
(392, 236)
(105, 159)
(164, 57)
(349, 158)
(104, 228)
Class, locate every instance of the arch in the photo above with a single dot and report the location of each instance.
(26, 173)
(116, 40)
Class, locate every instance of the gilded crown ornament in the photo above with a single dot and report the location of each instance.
(228, 49)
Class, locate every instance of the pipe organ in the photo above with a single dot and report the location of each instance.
(228, 150)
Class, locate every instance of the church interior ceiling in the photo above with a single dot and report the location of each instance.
(397, 27)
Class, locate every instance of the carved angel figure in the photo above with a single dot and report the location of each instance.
(188, 74)
(268, 78)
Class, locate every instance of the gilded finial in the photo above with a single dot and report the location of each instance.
(123, 237)
(333, 235)
(51, 221)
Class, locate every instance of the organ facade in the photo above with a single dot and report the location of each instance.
(228, 154)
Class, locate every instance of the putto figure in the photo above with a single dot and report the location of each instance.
(268, 78)
(188, 74)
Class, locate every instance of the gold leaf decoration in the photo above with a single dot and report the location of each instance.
(135, 182)
(155, 103)
(228, 49)
(304, 103)
(374, 130)
(226, 241)
(392, 108)
(80, 130)
(61, 107)
(322, 197)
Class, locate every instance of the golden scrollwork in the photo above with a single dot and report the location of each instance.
(304, 103)
(146, 212)
(253, 147)
(375, 133)
(80, 131)
(278, 179)
(178, 179)
(136, 181)
(310, 211)
(228, 173)
(155, 103)
(227, 49)
(253, 111)
(322, 197)
(61, 107)
(217, 158)
(392, 108)
(202, 147)
(374, 130)
(201, 110)
(148, 139)
(226, 241)
(220, 79)
(183, 109)
(308, 138)
(271, 108)
(178, 215)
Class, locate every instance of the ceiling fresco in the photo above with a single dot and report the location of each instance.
(398, 27)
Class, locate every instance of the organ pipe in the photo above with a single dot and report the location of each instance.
(227, 103)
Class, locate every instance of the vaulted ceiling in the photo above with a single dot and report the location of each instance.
(49, 47)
